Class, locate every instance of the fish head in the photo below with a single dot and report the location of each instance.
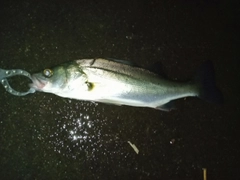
(60, 79)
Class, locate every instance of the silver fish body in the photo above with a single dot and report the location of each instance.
(113, 82)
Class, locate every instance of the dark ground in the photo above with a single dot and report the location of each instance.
(43, 136)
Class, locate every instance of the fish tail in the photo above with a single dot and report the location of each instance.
(205, 79)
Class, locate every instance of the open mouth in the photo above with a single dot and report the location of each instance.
(38, 84)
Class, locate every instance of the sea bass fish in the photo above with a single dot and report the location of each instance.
(123, 83)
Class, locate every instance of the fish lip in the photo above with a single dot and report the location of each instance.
(38, 84)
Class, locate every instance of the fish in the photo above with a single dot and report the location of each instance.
(121, 82)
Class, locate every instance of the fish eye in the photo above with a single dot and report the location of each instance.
(47, 72)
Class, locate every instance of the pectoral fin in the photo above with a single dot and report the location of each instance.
(90, 86)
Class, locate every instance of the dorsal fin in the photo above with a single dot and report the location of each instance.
(130, 63)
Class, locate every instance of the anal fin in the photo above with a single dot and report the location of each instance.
(167, 107)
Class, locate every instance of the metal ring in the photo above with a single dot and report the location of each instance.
(4, 74)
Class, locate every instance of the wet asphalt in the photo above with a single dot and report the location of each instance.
(43, 136)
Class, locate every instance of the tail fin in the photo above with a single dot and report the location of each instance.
(205, 78)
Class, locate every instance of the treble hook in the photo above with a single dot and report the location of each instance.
(4, 74)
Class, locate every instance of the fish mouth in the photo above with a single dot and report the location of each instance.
(38, 84)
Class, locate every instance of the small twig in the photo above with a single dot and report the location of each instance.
(204, 173)
(134, 147)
